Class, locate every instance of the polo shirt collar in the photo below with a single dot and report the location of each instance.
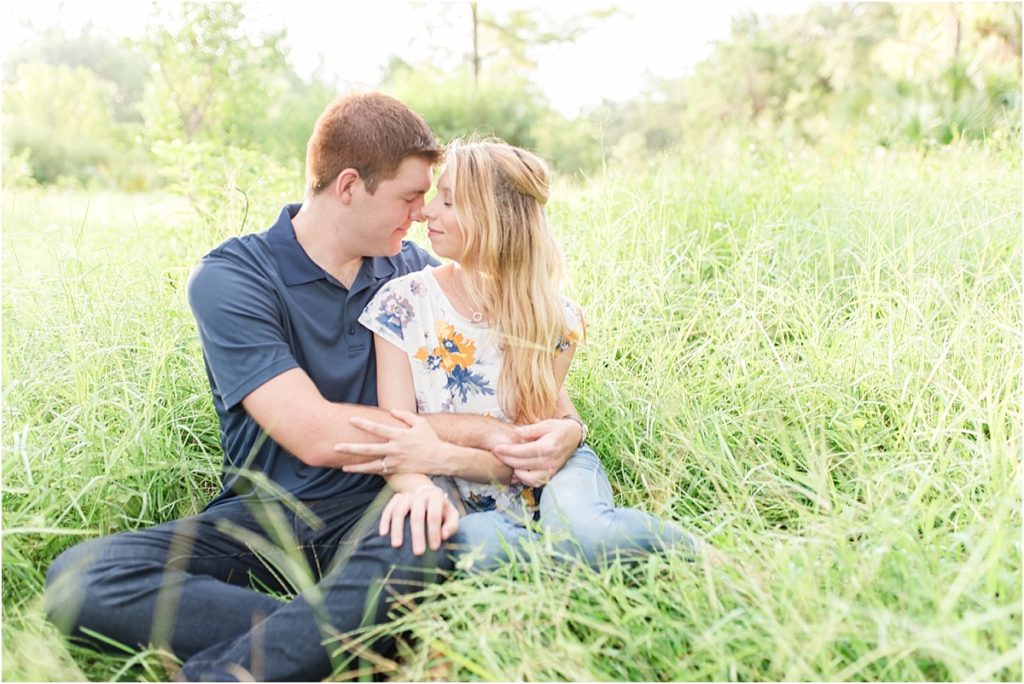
(296, 266)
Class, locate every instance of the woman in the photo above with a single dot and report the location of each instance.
(489, 333)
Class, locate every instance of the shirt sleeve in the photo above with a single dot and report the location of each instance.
(574, 323)
(241, 328)
(390, 312)
(417, 257)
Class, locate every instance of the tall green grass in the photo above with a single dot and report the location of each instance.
(810, 358)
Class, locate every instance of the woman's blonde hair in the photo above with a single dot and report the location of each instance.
(500, 192)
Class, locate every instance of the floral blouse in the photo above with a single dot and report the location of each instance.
(455, 367)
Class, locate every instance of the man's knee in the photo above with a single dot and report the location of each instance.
(67, 583)
(428, 561)
(403, 561)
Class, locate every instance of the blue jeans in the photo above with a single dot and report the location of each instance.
(198, 588)
(578, 517)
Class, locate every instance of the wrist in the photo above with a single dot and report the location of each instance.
(447, 463)
(408, 482)
(430, 486)
(499, 434)
(584, 430)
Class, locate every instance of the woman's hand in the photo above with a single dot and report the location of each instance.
(432, 518)
(412, 449)
(545, 448)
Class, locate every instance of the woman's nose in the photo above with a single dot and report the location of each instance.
(425, 213)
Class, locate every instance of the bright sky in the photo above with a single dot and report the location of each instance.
(354, 39)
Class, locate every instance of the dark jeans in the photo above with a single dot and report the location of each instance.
(197, 587)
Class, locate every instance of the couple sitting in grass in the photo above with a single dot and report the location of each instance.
(305, 329)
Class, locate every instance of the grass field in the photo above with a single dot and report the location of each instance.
(812, 359)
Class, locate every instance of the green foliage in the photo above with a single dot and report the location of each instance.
(16, 169)
(75, 104)
(227, 118)
(572, 147)
(455, 108)
(229, 187)
(212, 82)
(59, 119)
(490, 92)
(808, 355)
(504, 41)
(124, 67)
(510, 108)
(889, 73)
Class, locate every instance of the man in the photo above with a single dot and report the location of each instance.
(292, 375)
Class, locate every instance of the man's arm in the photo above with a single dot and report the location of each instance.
(423, 452)
(296, 416)
(546, 446)
(252, 365)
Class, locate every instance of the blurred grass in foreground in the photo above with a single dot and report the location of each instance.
(811, 359)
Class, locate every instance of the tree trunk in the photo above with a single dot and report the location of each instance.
(476, 45)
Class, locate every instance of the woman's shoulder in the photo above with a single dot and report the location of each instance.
(414, 283)
(575, 325)
(574, 319)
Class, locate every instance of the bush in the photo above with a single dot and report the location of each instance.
(59, 119)
(508, 107)
(229, 186)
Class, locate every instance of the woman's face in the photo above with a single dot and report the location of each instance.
(446, 236)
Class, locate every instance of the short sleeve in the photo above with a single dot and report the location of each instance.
(416, 257)
(241, 328)
(574, 324)
(390, 311)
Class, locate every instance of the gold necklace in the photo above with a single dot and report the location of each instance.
(475, 316)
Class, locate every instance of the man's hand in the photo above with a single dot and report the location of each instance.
(410, 449)
(432, 518)
(545, 448)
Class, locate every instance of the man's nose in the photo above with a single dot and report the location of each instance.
(419, 213)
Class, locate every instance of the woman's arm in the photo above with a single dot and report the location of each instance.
(563, 360)
(547, 444)
(432, 518)
(431, 456)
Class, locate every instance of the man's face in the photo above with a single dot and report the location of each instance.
(385, 216)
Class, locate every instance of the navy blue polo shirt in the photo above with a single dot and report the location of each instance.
(263, 307)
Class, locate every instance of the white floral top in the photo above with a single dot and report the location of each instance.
(455, 366)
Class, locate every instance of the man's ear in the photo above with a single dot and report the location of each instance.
(344, 185)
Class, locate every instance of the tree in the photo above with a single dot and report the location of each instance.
(61, 119)
(512, 36)
(114, 63)
(211, 81)
(500, 41)
(883, 73)
(510, 108)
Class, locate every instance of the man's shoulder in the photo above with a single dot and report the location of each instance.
(239, 262)
(413, 258)
(240, 248)
(250, 252)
